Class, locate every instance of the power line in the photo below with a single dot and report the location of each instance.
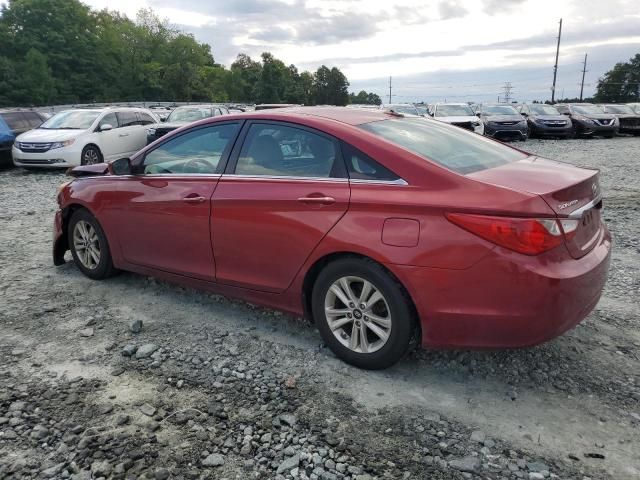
(390, 89)
(555, 67)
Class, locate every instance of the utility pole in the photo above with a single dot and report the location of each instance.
(507, 90)
(584, 70)
(389, 89)
(555, 67)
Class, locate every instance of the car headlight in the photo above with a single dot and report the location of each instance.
(66, 143)
(151, 131)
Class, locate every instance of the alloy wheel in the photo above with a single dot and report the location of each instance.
(358, 314)
(86, 244)
(91, 157)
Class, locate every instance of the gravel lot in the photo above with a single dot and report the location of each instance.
(213, 388)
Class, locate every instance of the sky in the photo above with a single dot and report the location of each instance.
(454, 50)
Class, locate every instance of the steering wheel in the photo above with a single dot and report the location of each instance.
(198, 165)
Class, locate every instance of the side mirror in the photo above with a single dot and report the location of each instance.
(163, 119)
(524, 114)
(566, 113)
(106, 127)
(478, 114)
(122, 166)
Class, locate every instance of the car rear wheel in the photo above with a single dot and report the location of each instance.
(363, 313)
(90, 155)
(89, 247)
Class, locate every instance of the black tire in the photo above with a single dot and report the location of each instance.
(104, 268)
(91, 155)
(403, 324)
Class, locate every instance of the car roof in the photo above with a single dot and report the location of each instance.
(349, 116)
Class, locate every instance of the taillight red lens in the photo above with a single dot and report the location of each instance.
(530, 236)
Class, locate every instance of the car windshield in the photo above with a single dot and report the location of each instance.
(499, 110)
(71, 120)
(587, 109)
(404, 109)
(539, 109)
(190, 114)
(452, 147)
(619, 109)
(453, 111)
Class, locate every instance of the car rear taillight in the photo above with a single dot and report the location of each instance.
(530, 236)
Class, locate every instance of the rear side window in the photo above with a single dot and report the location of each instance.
(15, 120)
(362, 167)
(127, 119)
(452, 147)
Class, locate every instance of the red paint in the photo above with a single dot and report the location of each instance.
(256, 238)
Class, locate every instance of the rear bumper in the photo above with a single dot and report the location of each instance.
(507, 300)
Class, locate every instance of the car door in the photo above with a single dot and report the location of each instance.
(284, 189)
(129, 133)
(109, 140)
(165, 206)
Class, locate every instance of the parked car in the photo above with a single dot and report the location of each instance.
(628, 119)
(14, 122)
(384, 229)
(161, 111)
(402, 108)
(269, 106)
(546, 121)
(84, 137)
(502, 121)
(182, 116)
(458, 114)
(589, 119)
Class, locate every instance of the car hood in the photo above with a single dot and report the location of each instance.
(503, 118)
(600, 116)
(458, 119)
(548, 117)
(45, 135)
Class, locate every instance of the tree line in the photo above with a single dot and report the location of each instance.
(62, 52)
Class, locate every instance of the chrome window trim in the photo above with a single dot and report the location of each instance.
(399, 181)
(284, 177)
(580, 211)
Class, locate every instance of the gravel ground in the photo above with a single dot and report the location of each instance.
(135, 378)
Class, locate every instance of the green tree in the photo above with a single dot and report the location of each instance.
(621, 83)
(365, 98)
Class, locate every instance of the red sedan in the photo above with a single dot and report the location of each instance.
(385, 230)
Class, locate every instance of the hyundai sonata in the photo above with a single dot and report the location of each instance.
(385, 230)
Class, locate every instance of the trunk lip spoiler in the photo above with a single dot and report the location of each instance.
(577, 213)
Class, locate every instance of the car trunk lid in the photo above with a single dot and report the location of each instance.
(571, 192)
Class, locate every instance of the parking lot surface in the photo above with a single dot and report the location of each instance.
(213, 388)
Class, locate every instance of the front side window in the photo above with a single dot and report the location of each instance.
(279, 150)
(452, 147)
(110, 119)
(72, 120)
(198, 151)
(145, 119)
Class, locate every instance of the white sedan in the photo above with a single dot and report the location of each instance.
(84, 137)
(459, 114)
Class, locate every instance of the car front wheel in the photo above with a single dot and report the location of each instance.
(89, 247)
(363, 313)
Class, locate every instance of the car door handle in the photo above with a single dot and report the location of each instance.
(320, 200)
(194, 199)
(123, 135)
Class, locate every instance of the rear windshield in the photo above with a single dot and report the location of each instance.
(452, 147)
